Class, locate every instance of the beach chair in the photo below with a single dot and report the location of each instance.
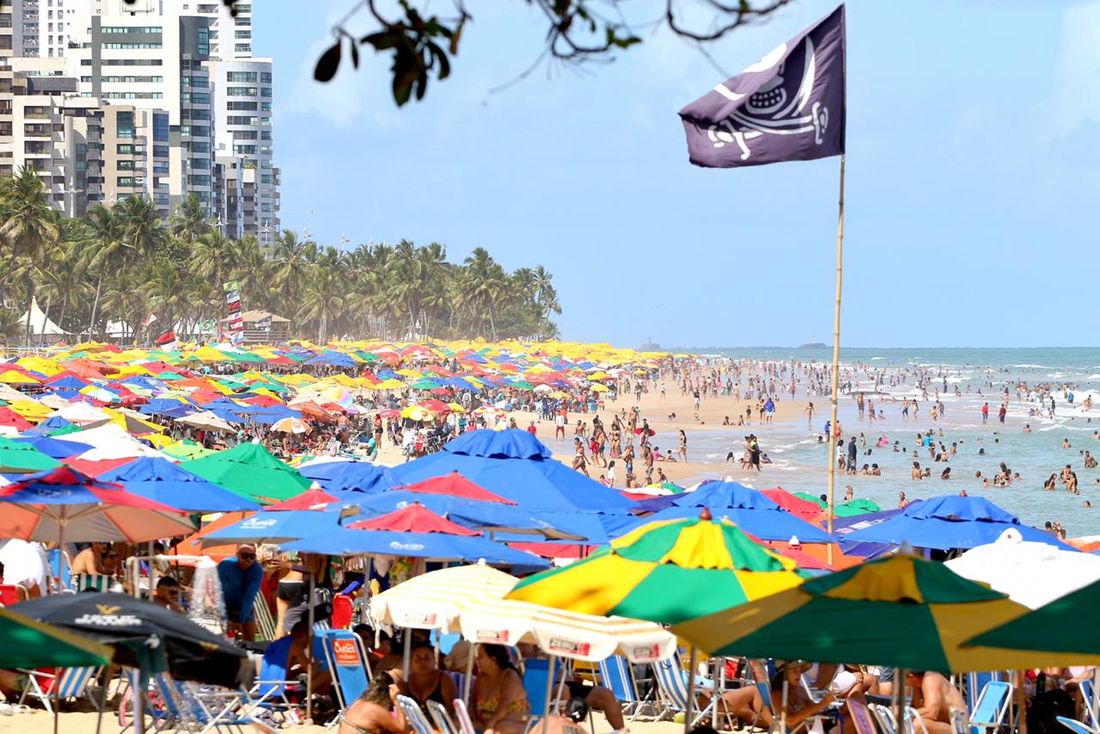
(273, 692)
(465, 723)
(536, 675)
(265, 623)
(884, 715)
(442, 718)
(616, 675)
(347, 661)
(673, 693)
(960, 722)
(11, 594)
(59, 569)
(992, 706)
(1074, 725)
(765, 703)
(1092, 717)
(48, 686)
(92, 582)
(862, 720)
(205, 709)
(418, 723)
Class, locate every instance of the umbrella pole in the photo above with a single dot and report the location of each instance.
(1021, 702)
(783, 704)
(407, 653)
(899, 700)
(138, 684)
(56, 704)
(102, 705)
(549, 694)
(309, 652)
(691, 689)
(468, 681)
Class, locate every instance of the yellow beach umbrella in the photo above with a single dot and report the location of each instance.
(13, 377)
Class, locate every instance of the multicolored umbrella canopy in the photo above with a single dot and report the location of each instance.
(16, 456)
(64, 504)
(29, 643)
(901, 611)
(251, 471)
(667, 571)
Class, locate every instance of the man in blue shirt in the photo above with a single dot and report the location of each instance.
(241, 578)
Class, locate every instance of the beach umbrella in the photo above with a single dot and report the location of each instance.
(290, 425)
(747, 508)
(162, 481)
(1031, 573)
(50, 427)
(207, 420)
(514, 464)
(800, 508)
(856, 507)
(186, 450)
(53, 447)
(65, 505)
(275, 527)
(667, 571)
(432, 600)
(144, 635)
(17, 457)
(418, 533)
(313, 498)
(347, 476)
(250, 471)
(945, 523)
(454, 484)
(901, 611)
(29, 643)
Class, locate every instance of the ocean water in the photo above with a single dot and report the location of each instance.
(800, 461)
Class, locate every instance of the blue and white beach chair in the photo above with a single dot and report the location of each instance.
(418, 723)
(347, 661)
(63, 684)
(616, 675)
(991, 709)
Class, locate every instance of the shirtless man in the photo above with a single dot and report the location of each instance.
(89, 561)
(933, 698)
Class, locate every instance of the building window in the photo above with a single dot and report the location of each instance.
(125, 123)
(242, 34)
(240, 76)
(124, 181)
(160, 151)
(160, 127)
(242, 48)
(241, 106)
(131, 45)
(265, 77)
(115, 29)
(204, 42)
(241, 91)
(124, 165)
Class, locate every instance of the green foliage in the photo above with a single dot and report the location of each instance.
(122, 264)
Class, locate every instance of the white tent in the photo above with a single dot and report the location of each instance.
(110, 441)
(40, 322)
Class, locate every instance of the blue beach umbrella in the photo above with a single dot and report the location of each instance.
(276, 527)
(53, 447)
(516, 465)
(944, 523)
(436, 546)
(345, 476)
(50, 425)
(752, 511)
(162, 481)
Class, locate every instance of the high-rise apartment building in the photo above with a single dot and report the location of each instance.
(171, 97)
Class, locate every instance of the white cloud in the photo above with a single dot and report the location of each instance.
(1077, 72)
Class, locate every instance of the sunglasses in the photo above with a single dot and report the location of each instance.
(247, 556)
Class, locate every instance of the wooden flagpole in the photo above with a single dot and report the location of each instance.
(836, 361)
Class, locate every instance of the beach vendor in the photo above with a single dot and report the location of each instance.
(241, 578)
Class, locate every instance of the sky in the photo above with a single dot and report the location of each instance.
(973, 174)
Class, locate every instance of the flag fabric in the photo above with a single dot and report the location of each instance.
(264, 323)
(149, 319)
(167, 340)
(789, 106)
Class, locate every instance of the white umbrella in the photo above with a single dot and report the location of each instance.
(206, 419)
(1031, 573)
(433, 600)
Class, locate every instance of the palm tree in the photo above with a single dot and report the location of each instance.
(484, 284)
(26, 222)
(405, 280)
(324, 296)
(141, 227)
(291, 259)
(105, 251)
(189, 222)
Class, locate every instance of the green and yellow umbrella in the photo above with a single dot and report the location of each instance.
(667, 572)
(901, 611)
(29, 643)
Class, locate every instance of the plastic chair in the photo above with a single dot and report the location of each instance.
(465, 723)
(615, 673)
(1092, 720)
(63, 684)
(348, 663)
(443, 721)
(92, 582)
(992, 706)
(341, 612)
(536, 675)
(12, 594)
(1074, 725)
(414, 716)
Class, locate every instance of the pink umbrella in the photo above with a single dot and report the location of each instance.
(313, 498)
(455, 485)
(65, 505)
(415, 518)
